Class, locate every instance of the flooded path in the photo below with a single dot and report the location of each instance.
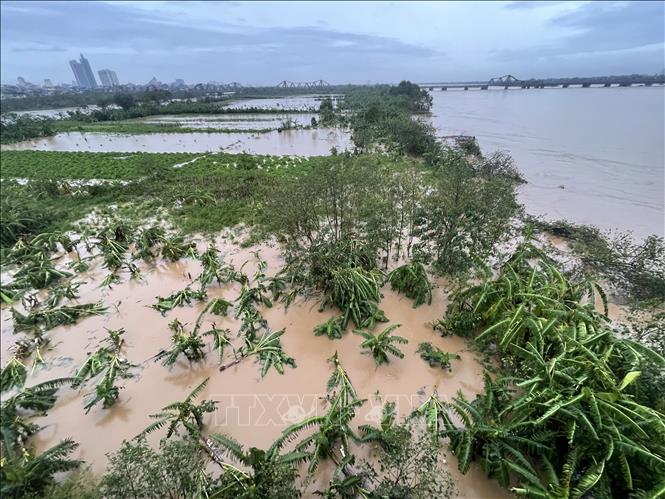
(253, 410)
(314, 142)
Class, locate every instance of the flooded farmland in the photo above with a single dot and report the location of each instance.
(300, 102)
(313, 142)
(234, 121)
(252, 410)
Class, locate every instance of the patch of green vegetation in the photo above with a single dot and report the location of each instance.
(15, 128)
(563, 418)
(84, 165)
(435, 356)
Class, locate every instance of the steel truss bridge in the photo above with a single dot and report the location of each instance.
(303, 84)
(510, 81)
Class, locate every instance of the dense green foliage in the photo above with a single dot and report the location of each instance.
(565, 423)
(411, 279)
(15, 128)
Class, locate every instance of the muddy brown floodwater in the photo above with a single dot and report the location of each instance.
(252, 410)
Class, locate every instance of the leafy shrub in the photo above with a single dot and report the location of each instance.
(411, 279)
(435, 356)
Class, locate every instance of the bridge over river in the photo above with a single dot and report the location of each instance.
(509, 81)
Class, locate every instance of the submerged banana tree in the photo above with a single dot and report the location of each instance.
(220, 340)
(107, 365)
(332, 328)
(174, 248)
(251, 296)
(356, 292)
(411, 279)
(25, 347)
(333, 429)
(13, 375)
(146, 239)
(38, 273)
(112, 278)
(216, 306)
(183, 414)
(17, 411)
(178, 299)
(435, 356)
(268, 349)
(53, 317)
(215, 269)
(69, 291)
(380, 345)
(112, 252)
(184, 343)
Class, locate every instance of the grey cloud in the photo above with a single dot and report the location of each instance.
(38, 49)
(615, 25)
(107, 31)
(599, 29)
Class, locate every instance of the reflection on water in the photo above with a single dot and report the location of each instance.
(315, 142)
(591, 155)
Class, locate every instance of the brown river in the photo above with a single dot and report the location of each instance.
(251, 409)
(590, 155)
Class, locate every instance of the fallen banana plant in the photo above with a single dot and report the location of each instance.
(178, 299)
(53, 317)
(184, 343)
(268, 349)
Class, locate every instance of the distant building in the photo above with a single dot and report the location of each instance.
(21, 81)
(179, 82)
(47, 82)
(83, 73)
(108, 78)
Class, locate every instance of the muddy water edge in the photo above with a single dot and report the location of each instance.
(250, 409)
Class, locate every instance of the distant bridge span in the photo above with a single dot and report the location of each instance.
(510, 81)
(303, 84)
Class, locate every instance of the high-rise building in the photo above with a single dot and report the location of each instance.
(21, 81)
(48, 82)
(108, 78)
(83, 73)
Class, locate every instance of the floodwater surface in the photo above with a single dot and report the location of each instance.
(252, 410)
(590, 155)
(314, 142)
(299, 102)
(233, 121)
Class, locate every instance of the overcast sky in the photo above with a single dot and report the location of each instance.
(357, 42)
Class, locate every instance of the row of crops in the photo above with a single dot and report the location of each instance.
(86, 165)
